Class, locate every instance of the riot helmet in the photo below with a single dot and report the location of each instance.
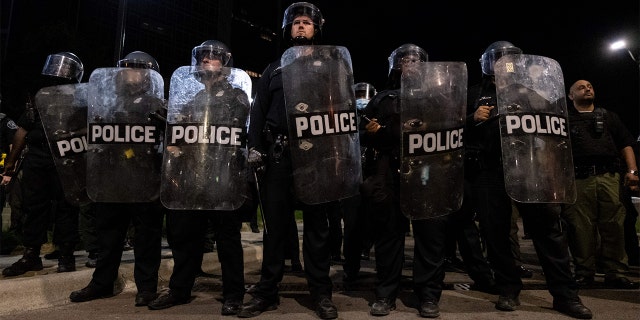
(139, 60)
(134, 78)
(406, 53)
(302, 9)
(212, 50)
(64, 65)
(493, 52)
(364, 92)
(208, 60)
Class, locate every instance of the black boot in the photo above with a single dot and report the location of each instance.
(67, 261)
(53, 255)
(92, 260)
(30, 261)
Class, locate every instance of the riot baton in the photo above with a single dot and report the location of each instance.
(264, 221)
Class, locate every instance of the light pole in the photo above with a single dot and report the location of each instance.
(621, 44)
(618, 45)
(122, 26)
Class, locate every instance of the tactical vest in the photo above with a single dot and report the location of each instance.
(591, 139)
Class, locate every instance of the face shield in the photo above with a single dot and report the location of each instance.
(211, 50)
(363, 93)
(204, 56)
(406, 56)
(133, 81)
(494, 52)
(302, 9)
(63, 65)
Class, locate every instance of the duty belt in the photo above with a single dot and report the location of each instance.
(583, 172)
(279, 143)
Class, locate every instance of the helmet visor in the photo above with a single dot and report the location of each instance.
(61, 66)
(302, 9)
(136, 64)
(489, 58)
(406, 55)
(364, 91)
(201, 53)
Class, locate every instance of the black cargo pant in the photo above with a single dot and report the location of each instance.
(186, 234)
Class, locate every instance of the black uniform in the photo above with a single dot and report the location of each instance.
(464, 233)
(380, 193)
(138, 208)
(222, 105)
(112, 223)
(357, 225)
(268, 133)
(43, 199)
(494, 208)
(42, 193)
(185, 234)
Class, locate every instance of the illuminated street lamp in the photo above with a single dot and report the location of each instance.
(621, 44)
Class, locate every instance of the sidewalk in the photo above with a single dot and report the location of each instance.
(47, 288)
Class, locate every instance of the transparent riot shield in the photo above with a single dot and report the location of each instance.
(204, 166)
(321, 112)
(536, 149)
(433, 106)
(123, 156)
(63, 110)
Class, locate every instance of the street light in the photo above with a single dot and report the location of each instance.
(621, 44)
(618, 45)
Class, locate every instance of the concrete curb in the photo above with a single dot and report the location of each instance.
(47, 288)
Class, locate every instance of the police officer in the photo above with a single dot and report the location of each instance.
(381, 193)
(40, 182)
(223, 105)
(357, 231)
(268, 148)
(598, 139)
(8, 129)
(113, 218)
(494, 206)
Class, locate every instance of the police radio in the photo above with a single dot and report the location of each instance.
(599, 122)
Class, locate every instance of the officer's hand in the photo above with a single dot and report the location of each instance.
(5, 180)
(174, 151)
(631, 181)
(482, 113)
(256, 159)
(373, 126)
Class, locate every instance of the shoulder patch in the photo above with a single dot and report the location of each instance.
(12, 125)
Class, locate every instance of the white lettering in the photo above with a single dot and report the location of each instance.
(122, 133)
(76, 145)
(302, 124)
(435, 141)
(199, 134)
(542, 124)
(325, 124)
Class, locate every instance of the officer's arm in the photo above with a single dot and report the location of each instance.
(19, 142)
(631, 176)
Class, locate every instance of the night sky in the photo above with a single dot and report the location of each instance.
(577, 37)
(576, 34)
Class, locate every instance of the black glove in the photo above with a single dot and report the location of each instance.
(256, 159)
